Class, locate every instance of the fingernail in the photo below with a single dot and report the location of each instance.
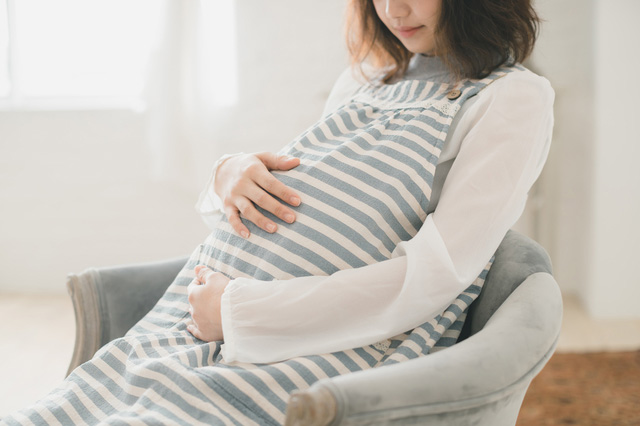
(244, 234)
(289, 217)
(294, 200)
(271, 227)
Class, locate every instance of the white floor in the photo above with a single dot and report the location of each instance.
(37, 334)
(37, 337)
(580, 333)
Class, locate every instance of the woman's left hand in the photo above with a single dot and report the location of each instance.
(204, 293)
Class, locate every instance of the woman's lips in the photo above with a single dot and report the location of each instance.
(407, 32)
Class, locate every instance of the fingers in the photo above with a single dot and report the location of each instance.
(197, 270)
(273, 186)
(203, 273)
(250, 185)
(267, 202)
(248, 209)
(192, 289)
(278, 162)
(192, 292)
(265, 184)
(193, 329)
(233, 216)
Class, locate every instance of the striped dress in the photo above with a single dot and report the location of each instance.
(365, 180)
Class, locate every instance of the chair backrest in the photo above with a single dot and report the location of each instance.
(517, 257)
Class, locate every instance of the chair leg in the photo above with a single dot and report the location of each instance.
(311, 407)
(83, 293)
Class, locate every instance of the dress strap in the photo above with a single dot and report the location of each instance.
(423, 94)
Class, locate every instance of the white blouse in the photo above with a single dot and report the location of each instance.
(499, 141)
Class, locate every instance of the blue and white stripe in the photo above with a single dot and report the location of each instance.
(365, 181)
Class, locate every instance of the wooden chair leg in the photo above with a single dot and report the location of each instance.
(311, 407)
(83, 293)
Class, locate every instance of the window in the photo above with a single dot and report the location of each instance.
(75, 49)
(4, 51)
(218, 59)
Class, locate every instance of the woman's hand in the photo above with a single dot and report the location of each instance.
(204, 293)
(244, 181)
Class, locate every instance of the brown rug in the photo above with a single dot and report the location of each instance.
(596, 389)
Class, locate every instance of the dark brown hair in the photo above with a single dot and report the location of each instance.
(472, 37)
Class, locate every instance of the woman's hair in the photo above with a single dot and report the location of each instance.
(472, 37)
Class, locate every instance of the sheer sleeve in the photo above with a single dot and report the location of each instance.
(209, 205)
(345, 86)
(504, 141)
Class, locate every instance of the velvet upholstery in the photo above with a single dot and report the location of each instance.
(129, 292)
(517, 257)
(510, 333)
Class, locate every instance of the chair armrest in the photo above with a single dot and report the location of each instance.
(109, 301)
(517, 257)
(447, 387)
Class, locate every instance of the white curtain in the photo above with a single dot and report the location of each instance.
(186, 90)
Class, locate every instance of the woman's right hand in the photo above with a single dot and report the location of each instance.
(244, 181)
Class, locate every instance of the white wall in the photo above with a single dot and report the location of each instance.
(591, 182)
(290, 54)
(75, 187)
(614, 283)
(564, 55)
(75, 193)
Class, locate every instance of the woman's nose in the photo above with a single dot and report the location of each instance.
(396, 9)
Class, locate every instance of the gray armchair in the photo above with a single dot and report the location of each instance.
(510, 333)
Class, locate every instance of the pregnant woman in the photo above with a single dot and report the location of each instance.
(361, 244)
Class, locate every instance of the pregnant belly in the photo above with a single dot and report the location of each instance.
(335, 229)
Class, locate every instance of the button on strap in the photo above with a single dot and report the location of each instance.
(454, 94)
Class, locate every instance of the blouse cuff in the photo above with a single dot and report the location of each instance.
(209, 205)
(208, 201)
(228, 349)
